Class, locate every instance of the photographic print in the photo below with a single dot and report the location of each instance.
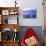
(29, 13)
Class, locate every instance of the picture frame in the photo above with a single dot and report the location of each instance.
(5, 12)
(11, 20)
(6, 34)
(13, 12)
(30, 14)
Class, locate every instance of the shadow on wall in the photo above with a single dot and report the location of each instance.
(37, 29)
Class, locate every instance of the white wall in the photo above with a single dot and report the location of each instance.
(33, 4)
(27, 4)
(6, 3)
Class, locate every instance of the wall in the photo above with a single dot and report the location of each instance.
(6, 3)
(27, 4)
(33, 4)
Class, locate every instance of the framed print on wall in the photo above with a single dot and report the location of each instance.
(12, 19)
(27, 14)
(5, 12)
